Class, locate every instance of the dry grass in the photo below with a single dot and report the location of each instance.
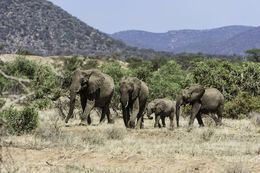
(57, 147)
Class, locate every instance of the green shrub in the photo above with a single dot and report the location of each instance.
(2, 102)
(230, 78)
(21, 67)
(168, 81)
(26, 52)
(241, 105)
(43, 103)
(22, 121)
(90, 64)
(114, 70)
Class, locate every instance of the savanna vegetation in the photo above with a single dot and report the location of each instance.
(45, 87)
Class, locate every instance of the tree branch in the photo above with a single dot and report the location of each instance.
(20, 80)
(15, 101)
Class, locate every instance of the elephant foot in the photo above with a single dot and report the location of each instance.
(189, 129)
(131, 124)
(110, 121)
(202, 125)
(83, 123)
(218, 123)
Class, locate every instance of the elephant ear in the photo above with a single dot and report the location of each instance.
(95, 81)
(196, 92)
(136, 88)
(159, 107)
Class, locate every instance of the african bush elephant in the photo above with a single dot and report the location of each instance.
(209, 100)
(95, 89)
(161, 108)
(133, 97)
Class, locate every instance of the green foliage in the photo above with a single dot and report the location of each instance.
(21, 67)
(254, 55)
(44, 80)
(90, 64)
(70, 65)
(114, 70)
(187, 61)
(2, 102)
(168, 81)
(229, 78)
(44, 103)
(47, 83)
(158, 62)
(142, 72)
(134, 62)
(25, 52)
(241, 105)
(22, 121)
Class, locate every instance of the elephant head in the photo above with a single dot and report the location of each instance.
(88, 82)
(186, 96)
(129, 90)
(150, 109)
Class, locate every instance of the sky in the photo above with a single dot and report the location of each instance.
(158, 16)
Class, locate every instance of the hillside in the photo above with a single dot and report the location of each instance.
(43, 28)
(226, 40)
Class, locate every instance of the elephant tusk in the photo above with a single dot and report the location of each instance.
(126, 104)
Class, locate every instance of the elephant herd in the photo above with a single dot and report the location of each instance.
(96, 90)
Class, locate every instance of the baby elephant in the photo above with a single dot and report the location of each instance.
(161, 108)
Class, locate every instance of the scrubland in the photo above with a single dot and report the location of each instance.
(53, 146)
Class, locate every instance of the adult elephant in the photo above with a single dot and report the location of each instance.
(209, 100)
(95, 89)
(161, 108)
(133, 97)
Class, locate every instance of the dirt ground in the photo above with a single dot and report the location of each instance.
(233, 147)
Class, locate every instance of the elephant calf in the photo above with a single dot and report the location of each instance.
(161, 108)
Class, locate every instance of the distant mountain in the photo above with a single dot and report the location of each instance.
(44, 28)
(227, 40)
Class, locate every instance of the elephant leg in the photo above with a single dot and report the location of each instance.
(195, 109)
(219, 113)
(86, 113)
(198, 116)
(125, 116)
(171, 121)
(139, 121)
(102, 118)
(83, 101)
(109, 118)
(163, 121)
(134, 114)
(156, 123)
(140, 118)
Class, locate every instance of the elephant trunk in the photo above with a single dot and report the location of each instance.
(124, 100)
(131, 123)
(177, 114)
(72, 105)
(149, 113)
(178, 105)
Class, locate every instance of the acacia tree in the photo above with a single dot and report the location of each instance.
(254, 55)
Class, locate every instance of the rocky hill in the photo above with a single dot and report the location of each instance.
(43, 28)
(226, 40)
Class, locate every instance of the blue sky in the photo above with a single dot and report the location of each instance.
(110, 16)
